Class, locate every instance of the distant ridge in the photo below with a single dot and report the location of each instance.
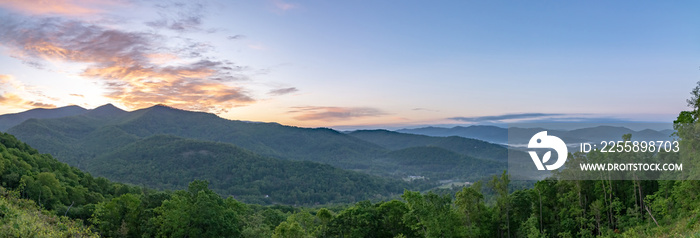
(10, 120)
(491, 134)
(466, 146)
(499, 135)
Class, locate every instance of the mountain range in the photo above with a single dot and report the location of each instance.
(164, 147)
(499, 135)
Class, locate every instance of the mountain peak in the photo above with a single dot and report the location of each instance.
(107, 110)
(163, 106)
(162, 110)
(106, 106)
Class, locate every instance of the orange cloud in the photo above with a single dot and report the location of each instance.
(10, 100)
(13, 100)
(334, 113)
(132, 65)
(62, 7)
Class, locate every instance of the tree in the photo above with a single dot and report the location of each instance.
(120, 217)
(502, 215)
(198, 212)
(432, 215)
(288, 229)
(470, 202)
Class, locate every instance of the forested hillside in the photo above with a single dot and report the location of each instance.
(435, 163)
(469, 147)
(500, 135)
(551, 209)
(139, 147)
(488, 208)
(171, 162)
(94, 133)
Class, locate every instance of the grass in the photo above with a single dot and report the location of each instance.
(23, 218)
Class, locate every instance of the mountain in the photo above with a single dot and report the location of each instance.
(170, 162)
(167, 148)
(465, 146)
(75, 138)
(10, 120)
(491, 134)
(500, 135)
(439, 163)
(600, 133)
(242, 158)
(106, 111)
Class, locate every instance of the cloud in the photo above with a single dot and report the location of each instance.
(127, 65)
(334, 113)
(60, 7)
(574, 119)
(505, 117)
(235, 37)
(284, 6)
(77, 95)
(10, 97)
(179, 16)
(12, 100)
(40, 104)
(283, 91)
(424, 109)
(7, 81)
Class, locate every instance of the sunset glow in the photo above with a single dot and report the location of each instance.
(317, 64)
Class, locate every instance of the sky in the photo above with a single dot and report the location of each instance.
(355, 64)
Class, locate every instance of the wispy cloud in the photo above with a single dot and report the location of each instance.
(58, 7)
(505, 117)
(284, 6)
(235, 37)
(124, 62)
(283, 91)
(15, 101)
(424, 109)
(11, 91)
(77, 95)
(179, 16)
(334, 113)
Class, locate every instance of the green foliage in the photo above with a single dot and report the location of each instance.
(551, 208)
(432, 215)
(172, 162)
(289, 230)
(470, 203)
(198, 212)
(438, 163)
(119, 217)
(23, 218)
(166, 148)
(464, 146)
(51, 184)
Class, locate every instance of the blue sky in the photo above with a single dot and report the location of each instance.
(356, 63)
